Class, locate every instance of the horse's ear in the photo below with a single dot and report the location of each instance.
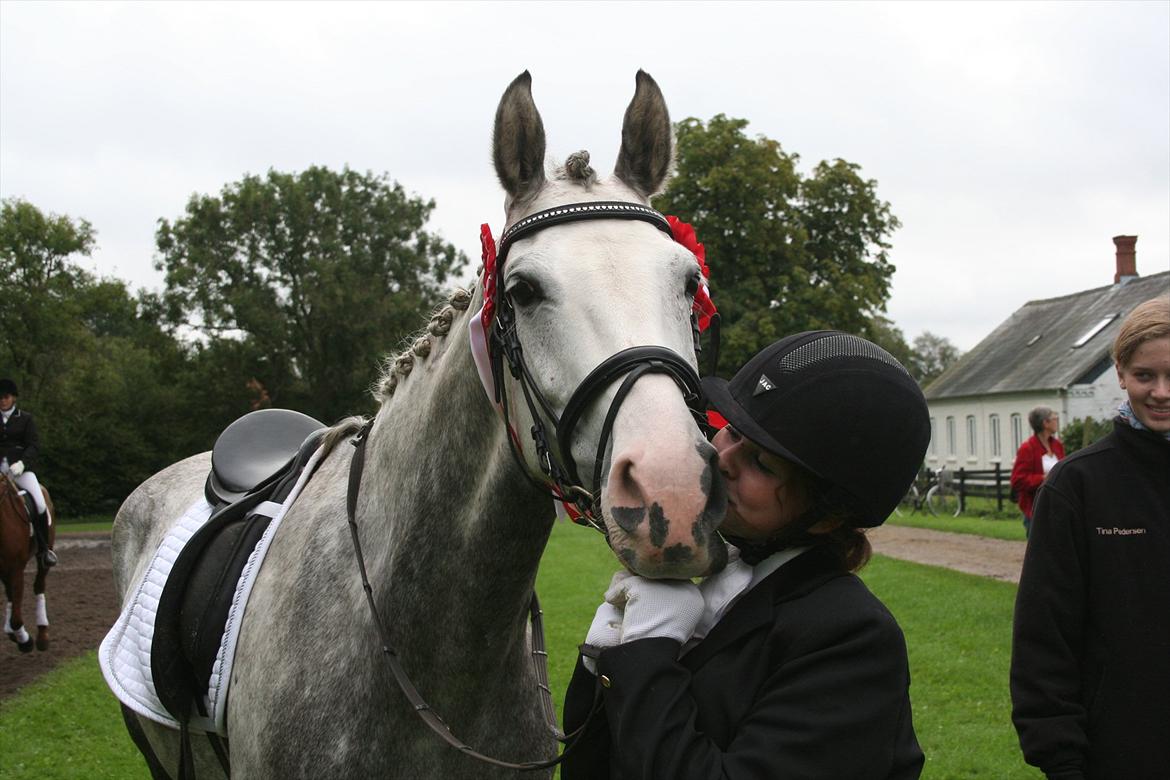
(647, 149)
(518, 141)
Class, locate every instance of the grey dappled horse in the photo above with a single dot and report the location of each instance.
(452, 530)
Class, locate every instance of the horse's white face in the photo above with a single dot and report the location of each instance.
(585, 291)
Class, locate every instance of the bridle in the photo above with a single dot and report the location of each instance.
(556, 462)
(555, 458)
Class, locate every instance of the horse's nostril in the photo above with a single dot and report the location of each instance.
(623, 487)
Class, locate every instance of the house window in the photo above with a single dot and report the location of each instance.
(1017, 431)
(1093, 331)
(951, 436)
(933, 436)
(993, 432)
(971, 435)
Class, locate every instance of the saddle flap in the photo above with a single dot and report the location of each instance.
(255, 447)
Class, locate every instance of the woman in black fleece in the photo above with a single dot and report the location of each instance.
(1090, 676)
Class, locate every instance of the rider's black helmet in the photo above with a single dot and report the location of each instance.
(838, 405)
(8, 387)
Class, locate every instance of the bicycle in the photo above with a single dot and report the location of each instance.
(941, 499)
(932, 490)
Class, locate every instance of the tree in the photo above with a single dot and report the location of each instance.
(38, 315)
(931, 356)
(788, 252)
(1079, 433)
(316, 275)
(882, 331)
(105, 380)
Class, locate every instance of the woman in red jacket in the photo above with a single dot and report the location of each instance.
(1036, 457)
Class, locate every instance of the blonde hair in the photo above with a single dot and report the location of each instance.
(1150, 320)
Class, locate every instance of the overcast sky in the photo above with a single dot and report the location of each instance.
(1013, 140)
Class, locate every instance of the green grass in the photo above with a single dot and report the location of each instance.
(97, 522)
(66, 726)
(64, 529)
(1012, 530)
(981, 517)
(958, 634)
(958, 630)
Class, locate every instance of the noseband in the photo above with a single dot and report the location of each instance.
(557, 463)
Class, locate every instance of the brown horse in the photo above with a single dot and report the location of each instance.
(16, 547)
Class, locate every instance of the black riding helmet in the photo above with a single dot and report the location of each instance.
(8, 387)
(841, 407)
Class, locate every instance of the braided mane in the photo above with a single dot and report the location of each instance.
(400, 365)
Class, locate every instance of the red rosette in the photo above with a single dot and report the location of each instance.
(488, 245)
(684, 233)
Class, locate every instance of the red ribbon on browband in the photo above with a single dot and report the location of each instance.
(684, 233)
(488, 253)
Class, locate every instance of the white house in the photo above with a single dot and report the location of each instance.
(1052, 352)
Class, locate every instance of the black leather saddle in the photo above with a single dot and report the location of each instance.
(253, 448)
(257, 459)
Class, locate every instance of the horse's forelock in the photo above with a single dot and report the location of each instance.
(577, 169)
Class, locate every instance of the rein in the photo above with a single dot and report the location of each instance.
(421, 708)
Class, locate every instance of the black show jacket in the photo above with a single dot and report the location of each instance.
(18, 439)
(806, 676)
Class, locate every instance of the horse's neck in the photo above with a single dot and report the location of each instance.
(467, 529)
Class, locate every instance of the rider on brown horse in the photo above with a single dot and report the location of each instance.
(19, 447)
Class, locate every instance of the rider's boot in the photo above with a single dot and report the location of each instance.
(45, 553)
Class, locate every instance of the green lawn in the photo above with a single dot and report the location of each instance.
(66, 726)
(981, 517)
(67, 525)
(958, 629)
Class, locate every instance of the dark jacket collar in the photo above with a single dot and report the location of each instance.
(805, 573)
(1145, 446)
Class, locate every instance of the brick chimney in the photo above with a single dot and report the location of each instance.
(1126, 258)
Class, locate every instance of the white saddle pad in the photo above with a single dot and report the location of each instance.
(124, 654)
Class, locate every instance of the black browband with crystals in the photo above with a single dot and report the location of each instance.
(574, 212)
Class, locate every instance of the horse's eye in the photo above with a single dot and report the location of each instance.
(523, 293)
(692, 285)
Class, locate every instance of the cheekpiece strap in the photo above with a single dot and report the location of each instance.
(574, 212)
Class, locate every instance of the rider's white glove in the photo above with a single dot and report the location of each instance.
(656, 608)
(17, 468)
(606, 629)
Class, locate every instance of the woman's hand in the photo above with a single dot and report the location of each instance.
(655, 608)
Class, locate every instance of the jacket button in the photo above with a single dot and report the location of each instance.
(604, 680)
